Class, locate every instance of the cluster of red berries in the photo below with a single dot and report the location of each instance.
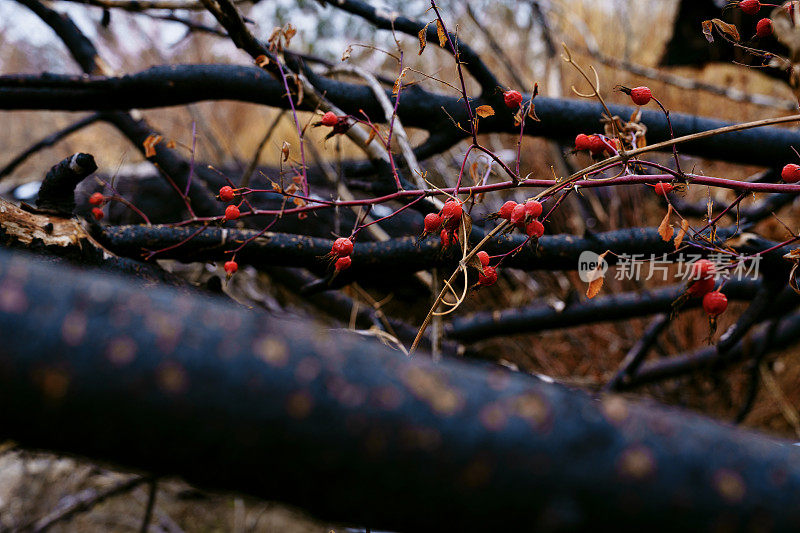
(445, 222)
(226, 194)
(512, 99)
(97, 200)
(791, 173)
(524, 216)
(488, 275)
(592, 143)
(341, 250)
(714, 302)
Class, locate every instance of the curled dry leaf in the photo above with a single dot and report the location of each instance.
(150, 144)
(723, 27)
(681, 233)
(665, 229)
(485, 111)
(423, 38)
(285, 151)
(441, 33)
(596, 277)
(465, 228)
(347, 52)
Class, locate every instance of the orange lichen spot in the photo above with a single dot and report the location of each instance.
(121, 351)
(389, 397)
(12, 297)
(54, 382)
(433, 390)
(729, 485)
(616, 409)
(299, 404)
(172, 377)
(636, 463)
(73, 329)
(272, 351)
(532, 408)
(493, 417)
(307, 369)
(476, 474)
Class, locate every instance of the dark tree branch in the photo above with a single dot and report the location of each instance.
(785, 336)
(538, 317)
(239, 400)
(553, 252)
(560, 119)
(637, 354)
(57, 192)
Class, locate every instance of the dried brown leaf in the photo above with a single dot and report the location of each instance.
(441, 33)
(485, 111)
(150, 143)
(665, 229)
(423, 38)
(285, 151)
(465, 228)
(728, 29)
(596, 277)
(708, 30)
(681, 233)
(347, 52)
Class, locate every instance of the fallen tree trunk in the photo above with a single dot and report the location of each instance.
(352, 431)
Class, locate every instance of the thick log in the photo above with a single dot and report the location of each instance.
(353, 431)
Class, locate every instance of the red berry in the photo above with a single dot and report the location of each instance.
(432, 222)
(483, 257)
(663, 188)
(512, 99)
(715, 303)
(343, 263)
(534, 229)
(97, 213)
(342, 247)
(507, 209)
(97, 199)
(452, 209)
(701, 287)
(444, 238)
(533, 209)
(641, 95)
(703, 269)
(596, 145)
(518, 215)
(488, 276)
(329, 119)
(750, 7)
(791, 173)
(583, 142)
(231, 212)
(231, 267)
(764, 28)
(226, 193)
